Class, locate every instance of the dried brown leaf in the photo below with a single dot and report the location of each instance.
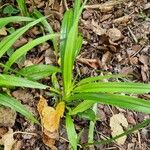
(50, 119)
(116, 123)
(8, 140)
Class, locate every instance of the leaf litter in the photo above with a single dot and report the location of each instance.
(121, 56)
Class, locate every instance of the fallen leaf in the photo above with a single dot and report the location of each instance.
(94, 63)
(116, 123)
(50, 119)
(41, 104)
(8, 113)
(114, 34)
(97, 28)
(122, 20)
(106, 58)
(8, 140)
(49, 142)
(24, 95)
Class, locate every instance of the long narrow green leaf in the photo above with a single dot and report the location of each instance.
(45, 23)
(77, 5)
(96, 78)
(126, 102)
(129, 131)
(24, 49)
(114, 87)
(72, 135)
(7, 42)
(10, 80)
(69, 54)
(36, 72)
(23, 7)
(8, 101)
(65, 28)
(83, 106)
(6, 20)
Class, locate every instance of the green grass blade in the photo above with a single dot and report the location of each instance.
(69, 54)
(6, 20)
(129, 131)
(78, 46)
(77, 5)
(114, 87)
(8, 101)
(10, 80)
(45, 23)
(7, 42)
(36, 72)
(72, 135)
(125, 102)
(23, 7)
(65, 28)
(83, 106)
(24, 49)
(96, 78)
(92, 126)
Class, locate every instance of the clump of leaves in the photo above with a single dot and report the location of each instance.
(9, 81)
(90, 90)
(77, 96)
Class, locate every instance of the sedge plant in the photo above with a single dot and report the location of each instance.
(78, 96)
(7, 80)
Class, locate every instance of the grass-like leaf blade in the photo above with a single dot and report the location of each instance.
(72, 135)
(10, 81)
(4, 21)
(126, 102)
(24, 49)
(70, 53)
(23, 7)
(36, 72)
(48, 27)
(7, 42)
(8, 101)
(83, 106)
(129, 131)
(96, 78)
(114, 87)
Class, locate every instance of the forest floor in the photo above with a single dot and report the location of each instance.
(116, 40)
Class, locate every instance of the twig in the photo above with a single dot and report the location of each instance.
(65, 4)
(100, 6)
(133, 36)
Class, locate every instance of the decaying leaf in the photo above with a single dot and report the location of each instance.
(8, 140)
(8, 113)
(94, 63)
(50, 119)
(41, 105)
(114, 34)
(117, 122)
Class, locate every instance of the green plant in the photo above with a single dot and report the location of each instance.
(78, 96)
(90, 90)
(9, 81)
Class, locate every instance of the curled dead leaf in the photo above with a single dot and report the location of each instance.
(50, 119)
(41, 105)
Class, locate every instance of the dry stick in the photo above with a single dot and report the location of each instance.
(133, 36)
(100, 6)
(137, 52)
(139, 140)
(65, 4)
